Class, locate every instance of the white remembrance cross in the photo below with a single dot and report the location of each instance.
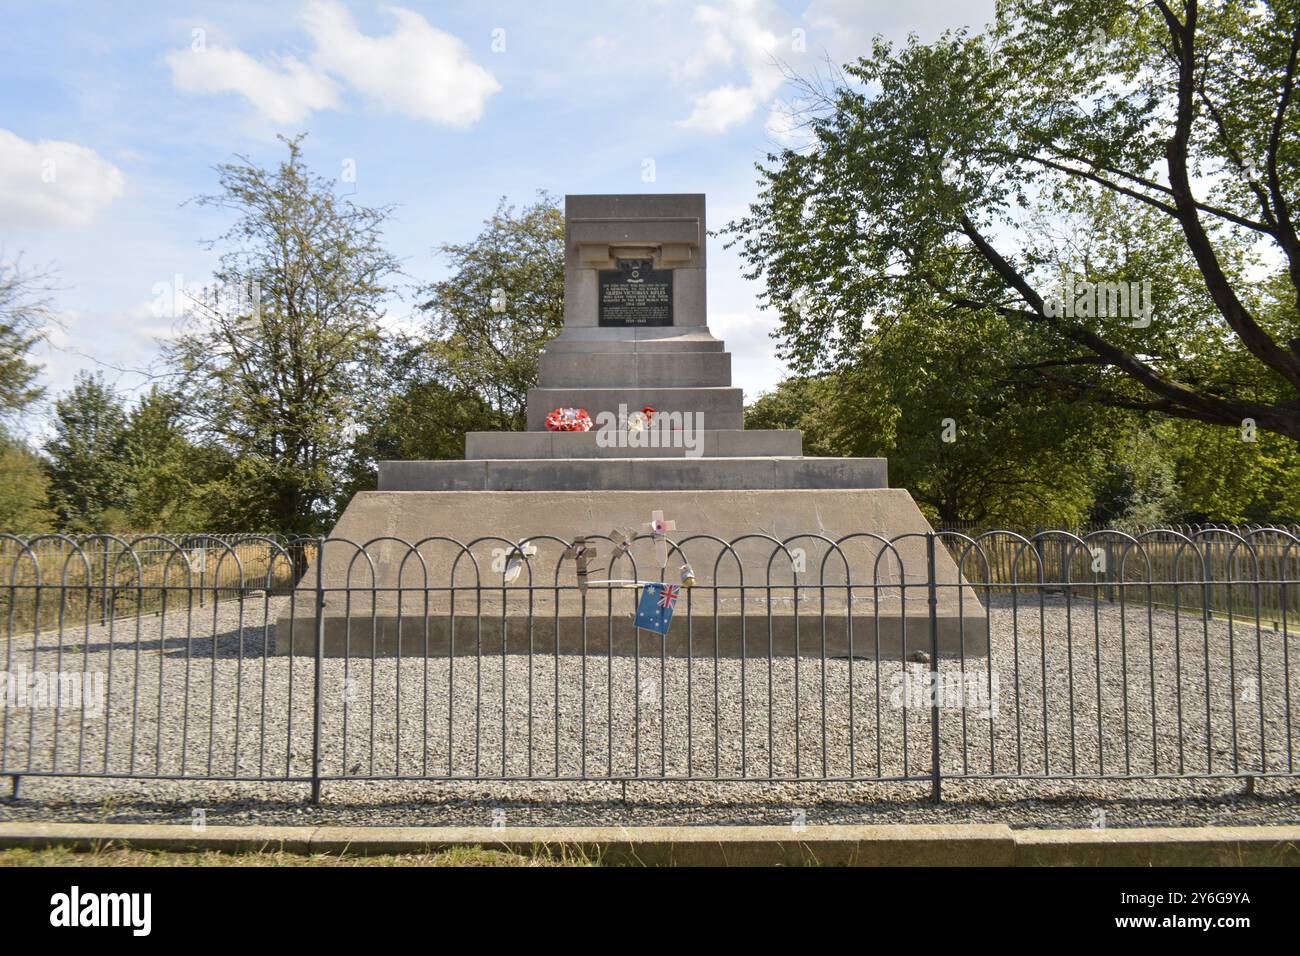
(659, 527)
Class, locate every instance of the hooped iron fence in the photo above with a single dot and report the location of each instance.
(1051, 657)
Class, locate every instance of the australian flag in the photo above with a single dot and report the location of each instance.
(658, 601)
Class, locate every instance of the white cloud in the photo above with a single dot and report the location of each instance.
(56, 335)
(754, 365)
(722, 107)
(54, 183)
(417, 70)
(753, 32)
(787, 122)
(284, 90)
(845, 28)
(756, 36)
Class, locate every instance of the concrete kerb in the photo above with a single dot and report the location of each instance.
(904, 845)
(1161, 846)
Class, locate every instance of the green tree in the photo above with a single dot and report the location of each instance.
(285, 352)
(24, 491)
(173, 485)
(931, 394)
(24, 310)
(1125, 141)
(503, 300)
(24, 484)
(805, 404)
(1222, 478)
(89, 480)
(1140, 487)
(423, 416)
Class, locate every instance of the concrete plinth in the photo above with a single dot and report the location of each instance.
(636, 334)
(630, 369)
(733, 443)
(719, 408)
(439, 594)
(632, 474)
(677, 338)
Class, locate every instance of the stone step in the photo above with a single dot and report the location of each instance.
(633, 474)
(361, 624)
(734, 443)
(621, 369)
(721, 408)
(608, 339)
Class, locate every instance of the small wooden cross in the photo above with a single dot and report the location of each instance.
(659, 527)
(622, 538)
(581, 551)
(516, 562)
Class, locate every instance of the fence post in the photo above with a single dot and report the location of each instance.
(1110, 573)
(320, 661)
(936, 775)
(103, 591)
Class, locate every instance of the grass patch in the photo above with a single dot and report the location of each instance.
(115, 855)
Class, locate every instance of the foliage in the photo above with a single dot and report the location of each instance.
(88, 476)
(800, 403)
(1124, 141)
(1222, 478)
(24, 491)
(24, 310)
(969, 444)
(423, 417)
(173, 484)
(285, 352)
(1139, 488)
(502, 302)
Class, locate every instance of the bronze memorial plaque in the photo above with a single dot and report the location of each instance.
(636, 294)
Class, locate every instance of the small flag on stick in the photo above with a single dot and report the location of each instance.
(655, 611)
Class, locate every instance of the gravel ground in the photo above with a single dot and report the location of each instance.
(1081, 690)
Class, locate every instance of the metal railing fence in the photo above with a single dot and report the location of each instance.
(1164, 549)
(1052, 657)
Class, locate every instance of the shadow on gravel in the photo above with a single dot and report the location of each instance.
(232, 644)
(451, 810)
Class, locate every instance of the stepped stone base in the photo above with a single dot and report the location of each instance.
(884, 596)
(688, 338)
(632, 369)
(733, 443)
(856, 578)
(720, 408)
(632, 474)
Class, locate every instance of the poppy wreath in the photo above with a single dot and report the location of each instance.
(568, 420)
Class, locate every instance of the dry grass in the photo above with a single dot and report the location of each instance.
(58, 585)
(1217, 573)
(115, 855)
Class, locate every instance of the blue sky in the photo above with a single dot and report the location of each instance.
(115, 113)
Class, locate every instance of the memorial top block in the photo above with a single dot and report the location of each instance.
(635, 261)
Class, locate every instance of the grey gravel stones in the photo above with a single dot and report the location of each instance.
(1078, 691)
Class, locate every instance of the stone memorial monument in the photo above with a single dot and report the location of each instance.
(634, 414)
